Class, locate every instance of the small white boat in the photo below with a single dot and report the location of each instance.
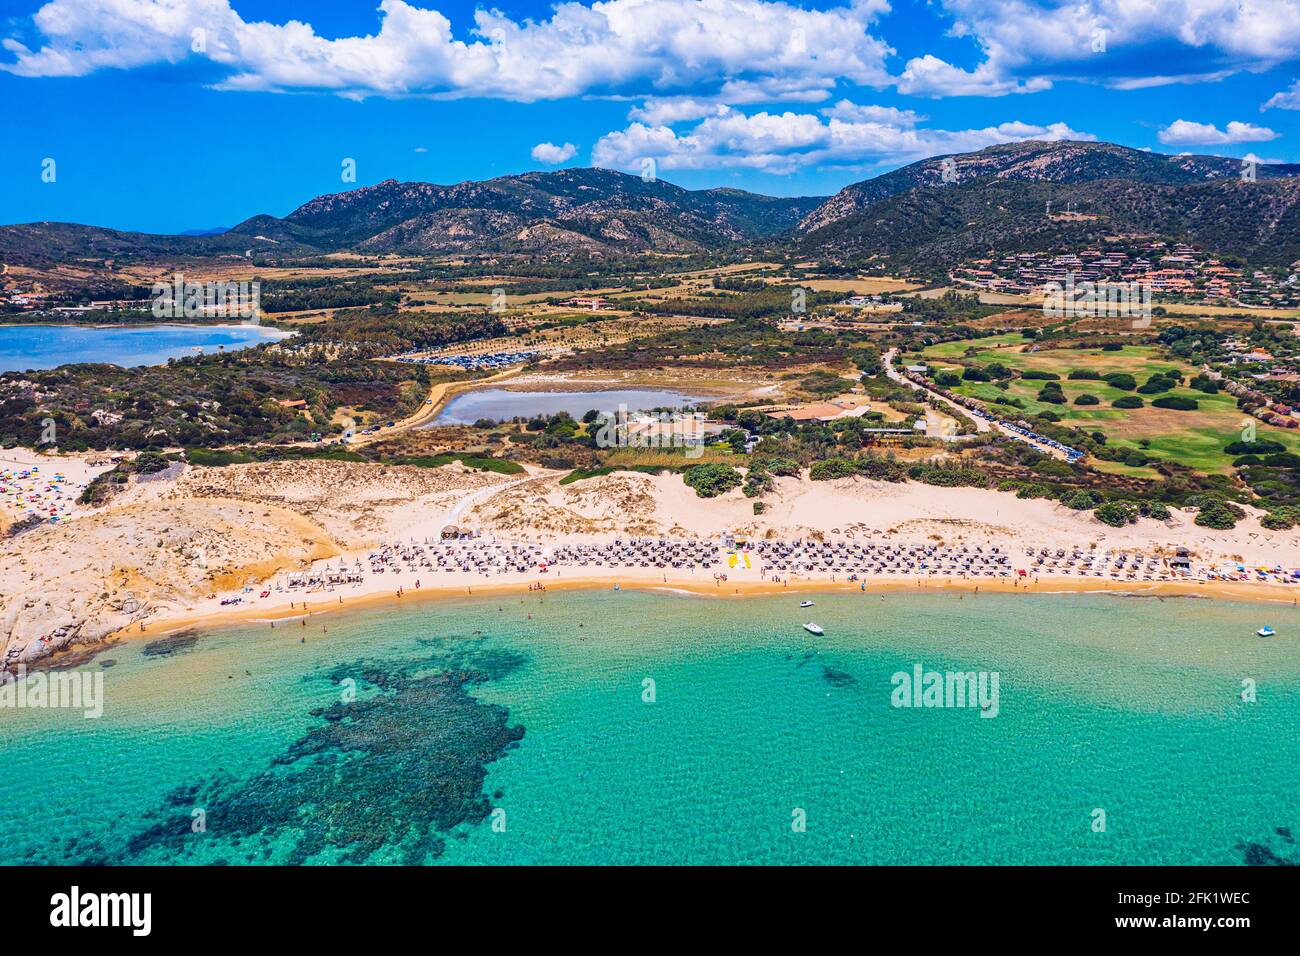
(806, 604)
(1266, 631)
(812, 628)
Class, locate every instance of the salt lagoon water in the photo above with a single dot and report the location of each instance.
(27, 347)
(641, 727)
(499, 404)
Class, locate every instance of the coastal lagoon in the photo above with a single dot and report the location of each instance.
(499, 404)
(26, 347)
(657, 727)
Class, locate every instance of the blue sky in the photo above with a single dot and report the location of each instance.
(165, 116)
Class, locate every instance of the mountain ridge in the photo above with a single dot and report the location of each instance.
(1058, 161)
(577, 209)
(924, 216)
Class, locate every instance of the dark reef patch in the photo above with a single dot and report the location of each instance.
(1263, 854)
(838, 678)
(392, 772)
(167, 646)
(76, 657)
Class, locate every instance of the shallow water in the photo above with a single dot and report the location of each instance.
(517, 730)
(500, 404)
(26, 347)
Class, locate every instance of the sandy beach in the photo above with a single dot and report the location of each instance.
(33, 485)
(312, 611)
(278, 541)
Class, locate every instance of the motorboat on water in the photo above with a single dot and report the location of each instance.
(806, 604)
(1266, 631)
(812, 628)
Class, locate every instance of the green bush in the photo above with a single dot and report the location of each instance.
(1217, 513)
(1034, 489)
(1037, 375)
(949, 477)
(711, 479)
(868, 466)
(1135, 458)
(1121, 380)
(782, 467)
(1080, 500)
(149, 463)
(997, 371)
(1086, 399)
(831, 468)
(881, 469)
(1156, 510)
(1053, 468)
(1161, 382)
(1116, 514)
(1177, 403)
(1259, 447)
(1127, 401)
(757, 482)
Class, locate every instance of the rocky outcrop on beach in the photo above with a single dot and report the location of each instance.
(160, 548)
(79, 582)
(34, 629)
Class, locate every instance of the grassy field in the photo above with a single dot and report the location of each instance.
(1255, 312)
(1005, 344)
(1193, 438)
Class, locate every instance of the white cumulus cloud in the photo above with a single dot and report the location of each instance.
(1026, 44)
(930, 76)
(1186, 133)
(1288, 99)
(846, 135)
(552, 154)
(641, 46)
(730, 52)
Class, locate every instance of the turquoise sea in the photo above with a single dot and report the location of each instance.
(519, 730)
(27, 347)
